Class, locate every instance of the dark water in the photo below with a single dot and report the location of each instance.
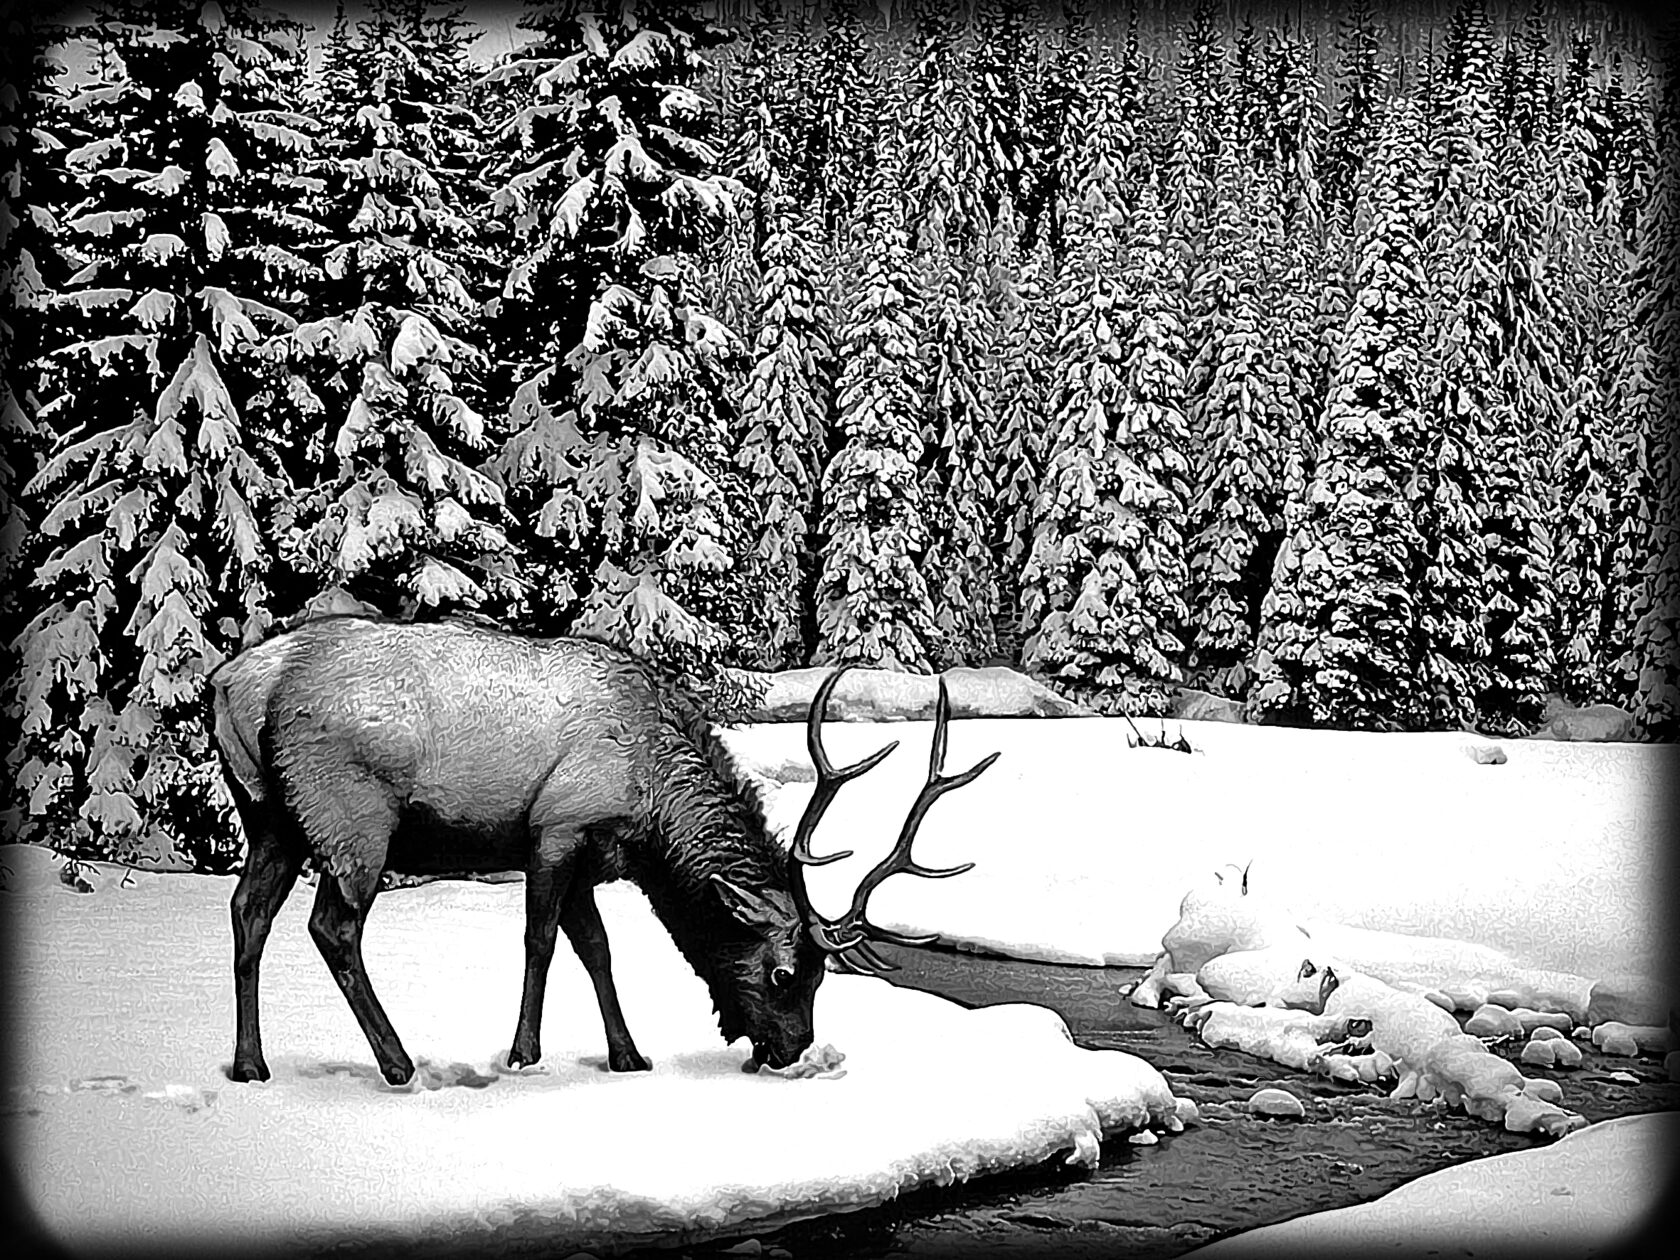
(1228, 1173)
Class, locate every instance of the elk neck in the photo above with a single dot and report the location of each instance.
(702, 819)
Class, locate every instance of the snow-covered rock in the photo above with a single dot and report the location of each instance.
(1493, 1021)
(1190, 705)
(1594, 723)
(1278, 1103)
(1486, 754)
(1629, 1000)
(1629, 1040)
(881, 695)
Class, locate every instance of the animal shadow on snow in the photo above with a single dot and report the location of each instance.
(428, 1075)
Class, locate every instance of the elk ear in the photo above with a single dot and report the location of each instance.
(749, 908)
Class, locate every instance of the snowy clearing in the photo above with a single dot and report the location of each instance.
(130, 1022)
(1084, 846)
(1586, 1192)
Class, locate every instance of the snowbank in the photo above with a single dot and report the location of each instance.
(1084, 846)
(885, 695)
(129, 1129)
(1588, 1192)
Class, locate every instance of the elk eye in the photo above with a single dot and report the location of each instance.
(781, 977)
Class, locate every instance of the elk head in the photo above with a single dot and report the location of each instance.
(797, 939)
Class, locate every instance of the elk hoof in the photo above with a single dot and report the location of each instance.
(245, 1071)
(629, 1061)
(397, 1074)
(518, 1062)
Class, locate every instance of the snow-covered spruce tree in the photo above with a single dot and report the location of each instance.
(1025, 318)
(1518, 531)
(1103, 589)
(1458, 385)
(1339, 637)
(1241, 412)
(1003, 79)
(1295, 126)
(873, 603)
(1203, 85)
(1527, 87)
(1357, 87)
(1056, 124)
(396, 514)
(782, 438)
(845, 120)
(618, 433)
(163, 405)
(942, 192)
(1652, 394)
(960, 436)
(33, 266)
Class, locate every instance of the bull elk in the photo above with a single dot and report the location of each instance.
(447, 748)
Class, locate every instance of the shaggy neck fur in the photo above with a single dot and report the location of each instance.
(703, 819)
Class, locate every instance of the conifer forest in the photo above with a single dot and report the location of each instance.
(1322, 356)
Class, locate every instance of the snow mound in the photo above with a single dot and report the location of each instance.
(1579, 1196)
(1240, 946)
(127, 1128)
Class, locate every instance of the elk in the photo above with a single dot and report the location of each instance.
(450, 748)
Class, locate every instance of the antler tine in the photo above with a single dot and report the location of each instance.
(852, 929)
(829, 780)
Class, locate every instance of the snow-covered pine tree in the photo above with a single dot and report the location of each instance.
(607, 173)
(1339, 639)
(872, 601)
(1241, 412)
(397, 515)
(1103, 588)
(163, 404)
(960, 436)
(782, 437)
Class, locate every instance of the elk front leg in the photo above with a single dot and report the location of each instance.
(581, 920)
(341, 908)
(271, 869)
(545, 891)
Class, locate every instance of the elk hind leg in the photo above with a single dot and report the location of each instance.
(341, 907)
(581, 920)
(272, 863)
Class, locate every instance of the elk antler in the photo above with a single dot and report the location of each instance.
(848, 936)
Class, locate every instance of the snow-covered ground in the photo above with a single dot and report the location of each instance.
(130, 1132)
(1581, 1196)
(1084, 846)
(1084, 849)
